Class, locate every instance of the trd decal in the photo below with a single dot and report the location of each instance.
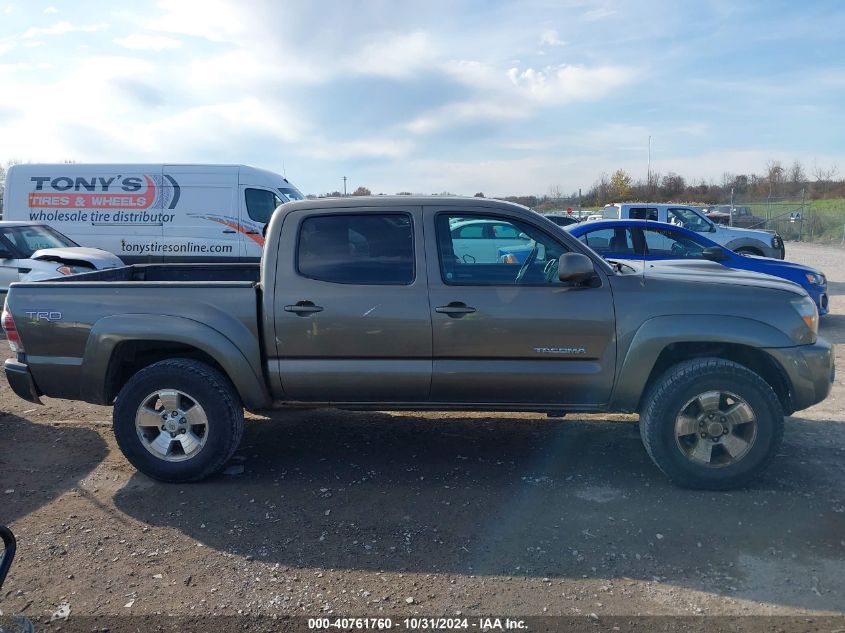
(43, 315)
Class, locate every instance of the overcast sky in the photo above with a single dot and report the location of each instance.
(426, 96)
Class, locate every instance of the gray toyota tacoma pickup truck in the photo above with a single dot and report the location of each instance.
(413, 303)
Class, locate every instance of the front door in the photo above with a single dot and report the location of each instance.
(351, 311)
(506, 330)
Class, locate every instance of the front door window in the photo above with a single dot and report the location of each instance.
(486, 250)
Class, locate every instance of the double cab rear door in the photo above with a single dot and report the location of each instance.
(442, 304)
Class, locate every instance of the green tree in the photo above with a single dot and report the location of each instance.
(620, 184)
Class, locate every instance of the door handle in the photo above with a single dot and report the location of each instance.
(229, 231)
(455, 309)
(304, 308)
(252, 232)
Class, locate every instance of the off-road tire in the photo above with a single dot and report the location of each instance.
(682, 382)
(205, 385)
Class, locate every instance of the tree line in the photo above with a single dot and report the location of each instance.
(778, 181)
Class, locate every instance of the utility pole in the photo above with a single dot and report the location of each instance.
(344, 186)
(648, 171)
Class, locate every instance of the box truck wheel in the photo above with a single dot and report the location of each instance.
(178, 420)
(711, 423)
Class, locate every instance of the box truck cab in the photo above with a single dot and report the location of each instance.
(152, 213)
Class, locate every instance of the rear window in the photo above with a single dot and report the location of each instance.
(367, 249)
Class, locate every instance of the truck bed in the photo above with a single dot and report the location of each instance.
(248, 273)
(61, 318)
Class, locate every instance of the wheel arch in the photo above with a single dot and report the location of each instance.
(663, 341)
(749, 244)
(752, 358)
(121, 345)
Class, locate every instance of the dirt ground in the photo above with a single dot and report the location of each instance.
(437, 514)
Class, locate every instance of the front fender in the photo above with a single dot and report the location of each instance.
(109, 332)
(654, 335)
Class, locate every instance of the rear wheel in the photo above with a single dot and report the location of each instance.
(711, 423)
(178, 420)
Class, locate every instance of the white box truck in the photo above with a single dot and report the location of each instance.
(152, 213)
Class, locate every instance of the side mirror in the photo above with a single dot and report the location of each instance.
(714, 254)
(575, 267)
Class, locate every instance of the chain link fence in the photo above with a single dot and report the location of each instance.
(798, 220)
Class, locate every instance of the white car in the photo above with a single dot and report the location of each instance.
(30, 251)
(478, 241)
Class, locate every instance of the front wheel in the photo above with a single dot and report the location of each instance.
(712, 424)
(178, 420)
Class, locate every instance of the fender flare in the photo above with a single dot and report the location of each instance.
(739, 242)
(111, 331)
(656, 334)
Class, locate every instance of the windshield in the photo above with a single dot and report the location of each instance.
(289, 194)
(28, 239)
(688, 219)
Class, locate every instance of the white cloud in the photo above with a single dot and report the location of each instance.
(566, 83)
(215, 20)
(395, 56)
(6, 46)
(359, 148)
(454, 114)
(144, 42)
(550, 37)
(517, 94)
(61, 28)
(51, 9)
(598, 14)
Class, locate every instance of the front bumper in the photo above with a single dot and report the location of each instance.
(810, 370)
(21, 382)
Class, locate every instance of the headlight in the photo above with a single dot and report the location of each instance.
(806, 308)
(817, 279)
(73, 270)
(776, 241)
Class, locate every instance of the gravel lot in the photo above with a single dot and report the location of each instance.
(394, 514)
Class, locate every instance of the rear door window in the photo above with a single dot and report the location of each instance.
(612, 240)
(643, 213)
(373, 248)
